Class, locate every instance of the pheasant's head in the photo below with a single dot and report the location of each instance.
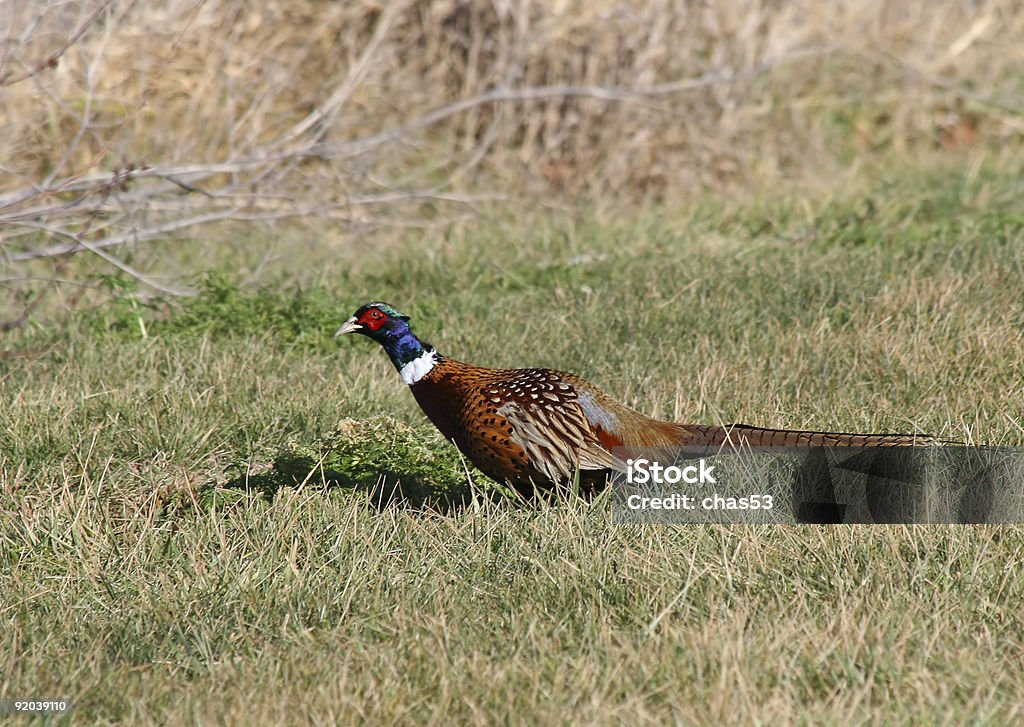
(389, 327)
(378, 321)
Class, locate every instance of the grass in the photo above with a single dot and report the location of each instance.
(212, 512)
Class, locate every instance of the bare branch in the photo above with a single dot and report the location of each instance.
(53, 58)
(236, 214)
(538, 93)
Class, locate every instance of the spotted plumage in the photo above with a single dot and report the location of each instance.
(537, 428)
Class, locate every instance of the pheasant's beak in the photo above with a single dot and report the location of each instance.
(349, 326)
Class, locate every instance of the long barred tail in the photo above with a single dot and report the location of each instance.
(740, 435)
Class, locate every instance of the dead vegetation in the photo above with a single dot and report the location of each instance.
(124, 122)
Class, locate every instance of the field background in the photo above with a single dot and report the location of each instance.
(790, 214)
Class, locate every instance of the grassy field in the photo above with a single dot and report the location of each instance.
(210, 511)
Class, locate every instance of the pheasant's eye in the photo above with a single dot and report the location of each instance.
(375, 314)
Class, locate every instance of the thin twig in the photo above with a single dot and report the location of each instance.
(54, 57)
(80, 241)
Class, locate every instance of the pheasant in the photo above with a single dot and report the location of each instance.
(536, 428)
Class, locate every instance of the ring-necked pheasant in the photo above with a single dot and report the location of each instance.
(535, 428)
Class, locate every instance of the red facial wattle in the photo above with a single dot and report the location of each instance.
(372, 319)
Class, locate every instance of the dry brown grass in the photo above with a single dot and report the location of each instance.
(788, 89)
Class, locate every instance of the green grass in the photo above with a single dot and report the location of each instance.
(210, 511)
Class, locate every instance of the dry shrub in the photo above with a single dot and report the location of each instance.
(785, 89)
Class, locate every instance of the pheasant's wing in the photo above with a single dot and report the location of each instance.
(557, 441)
(551, 427)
